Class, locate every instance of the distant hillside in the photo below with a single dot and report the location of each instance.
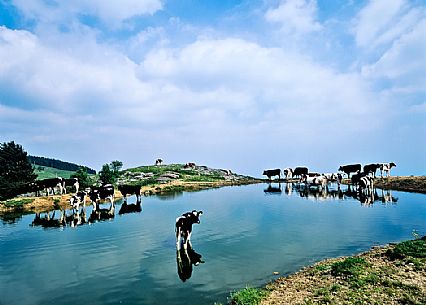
(49, 162)
(44, 172)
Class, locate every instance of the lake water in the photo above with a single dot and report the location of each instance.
(246, 233)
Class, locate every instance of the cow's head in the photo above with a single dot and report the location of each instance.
(392, 164)
(264, 173)
(341, 168)
(196, 215)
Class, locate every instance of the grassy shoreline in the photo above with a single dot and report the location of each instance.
(154, 180)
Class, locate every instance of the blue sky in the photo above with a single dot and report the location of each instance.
(244, 85)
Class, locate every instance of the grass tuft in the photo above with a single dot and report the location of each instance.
(248, 296)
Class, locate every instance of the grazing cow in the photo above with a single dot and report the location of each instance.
(371, 168)
(77, 199)
(126, 189)
(272, 172)
(70, 182)
(189, 165)
(159, 162)
(386, 167)
(50, 184)
(184, 227)
(348, 169)
(185, 259)
(299, 171)
(288, 173)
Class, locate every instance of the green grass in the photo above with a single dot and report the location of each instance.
(410, 248)
(351, 266)
(16, 202)
(44, 172)
(248, 296)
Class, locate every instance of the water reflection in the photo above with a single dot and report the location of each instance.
(366, 197)
(127, 208)
(273, 189)
(102, 214)
(49, 220)
(185, 259)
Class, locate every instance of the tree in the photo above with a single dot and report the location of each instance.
(16, 171)
(83, 177)
(106, 174)
(115, 167)
(110, 172)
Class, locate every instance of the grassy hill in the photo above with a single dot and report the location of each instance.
(44, 172)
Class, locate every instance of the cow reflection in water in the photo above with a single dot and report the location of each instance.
(99, 214)
(273, 189)
(49, 221)
(130, 208)
(185, 259)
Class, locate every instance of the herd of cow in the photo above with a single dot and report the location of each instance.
(363, 180)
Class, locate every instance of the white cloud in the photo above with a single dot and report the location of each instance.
(403, 65)
(381, 22)
(295, 16)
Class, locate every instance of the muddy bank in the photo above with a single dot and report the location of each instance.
(403, 183)
(393, 274)
(26, 205)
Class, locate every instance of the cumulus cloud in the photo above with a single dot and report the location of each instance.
(295, 16)
(381, 22)
(404, 62)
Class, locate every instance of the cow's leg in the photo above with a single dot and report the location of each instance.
(178, 236)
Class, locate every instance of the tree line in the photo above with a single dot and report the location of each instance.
(17, 172)
(49, 162)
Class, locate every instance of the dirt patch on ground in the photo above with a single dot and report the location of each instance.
(403, 183)
(368, 278)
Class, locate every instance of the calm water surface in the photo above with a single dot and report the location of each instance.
(245, 235)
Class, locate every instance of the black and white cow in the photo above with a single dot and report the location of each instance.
(78, 199)
(272, 172)
(184, 227)
(386, 168)
(351, 168)
(299, 171)
(70, 182)
(320, 181)
(159, 161)
(363, 181)
(128, 189)
(288, 173)
(101, 193)
(50, 184)
(371, 168)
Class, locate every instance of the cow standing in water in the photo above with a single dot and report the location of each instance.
(184, 227)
